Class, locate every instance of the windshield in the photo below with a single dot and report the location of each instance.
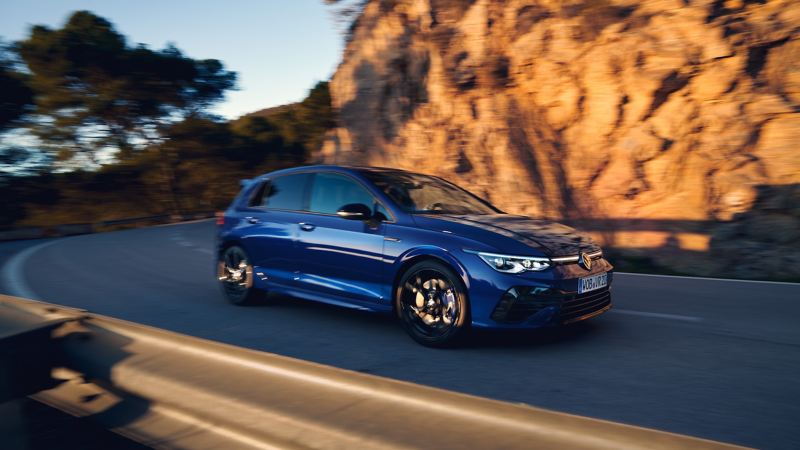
(423, 194)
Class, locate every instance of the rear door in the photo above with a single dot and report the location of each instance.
(340, 257)
(274, 214)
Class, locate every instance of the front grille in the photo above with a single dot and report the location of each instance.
(576, 307)
(573, 259)
(521, 303)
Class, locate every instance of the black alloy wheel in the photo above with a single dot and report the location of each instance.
(431, 303)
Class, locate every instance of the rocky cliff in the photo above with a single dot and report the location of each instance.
(672, 124)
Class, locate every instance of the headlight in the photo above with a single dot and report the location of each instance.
(514, 264)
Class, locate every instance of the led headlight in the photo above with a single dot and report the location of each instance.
(514, 264)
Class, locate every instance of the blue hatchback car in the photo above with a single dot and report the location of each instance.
(387, 240)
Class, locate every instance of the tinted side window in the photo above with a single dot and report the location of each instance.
(331, 191)
(257, 196)
(286, 192)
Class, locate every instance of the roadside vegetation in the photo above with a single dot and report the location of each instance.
(93, 127)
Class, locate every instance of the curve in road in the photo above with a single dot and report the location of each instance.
(712, 358)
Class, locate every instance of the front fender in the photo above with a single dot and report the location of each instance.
(432, 252)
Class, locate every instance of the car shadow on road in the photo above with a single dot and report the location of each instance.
(520, 339)
(476, 339)
(320, 309)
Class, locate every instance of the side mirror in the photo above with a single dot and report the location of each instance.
(355, 211)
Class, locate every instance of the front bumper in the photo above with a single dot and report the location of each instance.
(535, 306)
(534, 299)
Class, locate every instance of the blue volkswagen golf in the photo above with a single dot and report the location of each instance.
(417, 246)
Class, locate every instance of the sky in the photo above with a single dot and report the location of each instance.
(278, 48)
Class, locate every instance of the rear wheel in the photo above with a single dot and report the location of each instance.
(431, 303)
(235, 274)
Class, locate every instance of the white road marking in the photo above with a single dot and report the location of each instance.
(658, 315)
(13, 275)
(706, 278)
(178, 239)
(207, 251)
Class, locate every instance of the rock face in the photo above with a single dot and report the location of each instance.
(678, 114)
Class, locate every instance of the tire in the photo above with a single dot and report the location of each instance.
(235, 275)
(431, 303)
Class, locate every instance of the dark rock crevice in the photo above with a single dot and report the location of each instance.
(672, 83)
(757, 56)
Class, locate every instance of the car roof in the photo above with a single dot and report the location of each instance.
(336, 168)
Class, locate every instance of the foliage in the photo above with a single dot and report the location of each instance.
(200, 159)
(85, 92)
(20, 161)
(301, 124)
(16, 98)
(346, 14)
(94, 91)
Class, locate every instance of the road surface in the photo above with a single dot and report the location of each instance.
(717, 359)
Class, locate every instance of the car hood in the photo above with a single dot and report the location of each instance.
(551, 238)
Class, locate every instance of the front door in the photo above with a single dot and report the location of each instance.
(340, 257)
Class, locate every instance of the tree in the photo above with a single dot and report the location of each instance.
(301, 125)
(346, 14)
(96, 95)
(141, 116)
(95, 92)
(314, 116)
(16, 98)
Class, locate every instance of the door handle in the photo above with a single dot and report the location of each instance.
(251, 219)
(307, 226)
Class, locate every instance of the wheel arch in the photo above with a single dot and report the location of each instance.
(221, 247)
(228, 243)
(417, 255)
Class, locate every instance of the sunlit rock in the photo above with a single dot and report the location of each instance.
(582, 109)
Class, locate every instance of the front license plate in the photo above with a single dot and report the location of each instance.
(592, 283)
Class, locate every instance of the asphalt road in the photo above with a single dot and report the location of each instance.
(718, 359)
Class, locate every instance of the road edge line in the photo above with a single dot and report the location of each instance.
(12, 275)
(788, 283)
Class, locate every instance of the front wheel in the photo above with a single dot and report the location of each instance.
(235, 274)
(431, 303)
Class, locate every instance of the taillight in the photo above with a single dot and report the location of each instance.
(220, 218)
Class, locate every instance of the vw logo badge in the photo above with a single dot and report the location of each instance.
(586, 260)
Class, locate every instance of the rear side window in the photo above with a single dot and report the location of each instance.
(257, 197)
(332, 191)
(286, 192)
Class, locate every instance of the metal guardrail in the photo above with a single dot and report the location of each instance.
(171, 391)
(140, 219)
